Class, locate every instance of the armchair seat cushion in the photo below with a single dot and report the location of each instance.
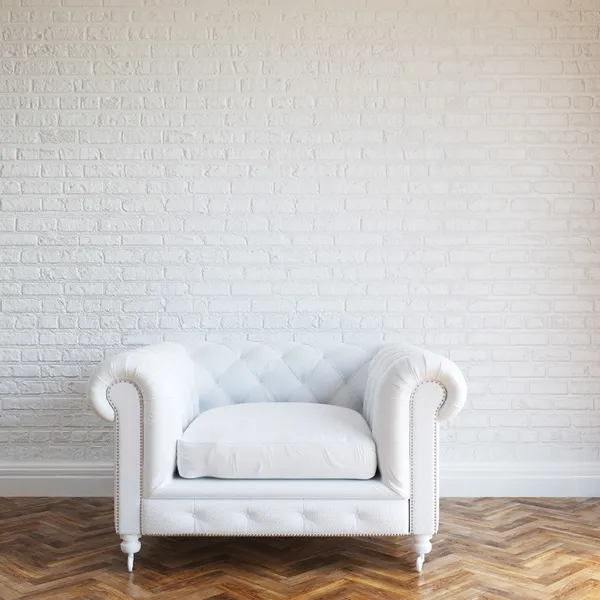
(278, 440)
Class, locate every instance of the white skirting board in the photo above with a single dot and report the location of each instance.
(57, 479)
(530, 480)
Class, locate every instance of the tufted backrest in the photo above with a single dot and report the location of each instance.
(288, 372)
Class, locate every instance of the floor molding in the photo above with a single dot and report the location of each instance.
(541, 480)
(57, 479)
(80, 479)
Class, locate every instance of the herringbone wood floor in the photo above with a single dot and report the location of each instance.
(487, 549)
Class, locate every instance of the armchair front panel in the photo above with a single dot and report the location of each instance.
(282, 516)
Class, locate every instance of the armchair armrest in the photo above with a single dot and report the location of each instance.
(409, 391)
(160, 380)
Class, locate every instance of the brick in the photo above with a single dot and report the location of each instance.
(354, 172)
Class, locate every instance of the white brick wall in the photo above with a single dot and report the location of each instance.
(423, 170)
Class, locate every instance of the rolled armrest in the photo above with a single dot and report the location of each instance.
(161, 371)
(399, 375)
(164, 375)
(407, 366)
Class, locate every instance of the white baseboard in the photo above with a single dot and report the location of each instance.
(537, 480)
(58, 479)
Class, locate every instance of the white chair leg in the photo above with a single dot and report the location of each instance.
(130, 545)
(422, 546)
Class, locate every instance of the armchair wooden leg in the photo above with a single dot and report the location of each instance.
(130, 545)
(422, 546)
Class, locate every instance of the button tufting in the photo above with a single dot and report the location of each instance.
(279, 516)
(287, 371)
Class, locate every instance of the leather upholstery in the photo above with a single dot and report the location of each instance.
(283, 489)
(284, 372)
(278, 440)
(126, 399)
(395, 374)
(275, 517)
(165, 376)
(402, 391)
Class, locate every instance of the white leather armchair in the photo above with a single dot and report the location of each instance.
(154, 393)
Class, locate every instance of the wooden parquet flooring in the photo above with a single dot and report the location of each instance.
(487, 549)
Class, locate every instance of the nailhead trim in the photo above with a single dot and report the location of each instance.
(277, 534)
(117, 425)
(435, 454)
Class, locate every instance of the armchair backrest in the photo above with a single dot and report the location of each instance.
(287, 372)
